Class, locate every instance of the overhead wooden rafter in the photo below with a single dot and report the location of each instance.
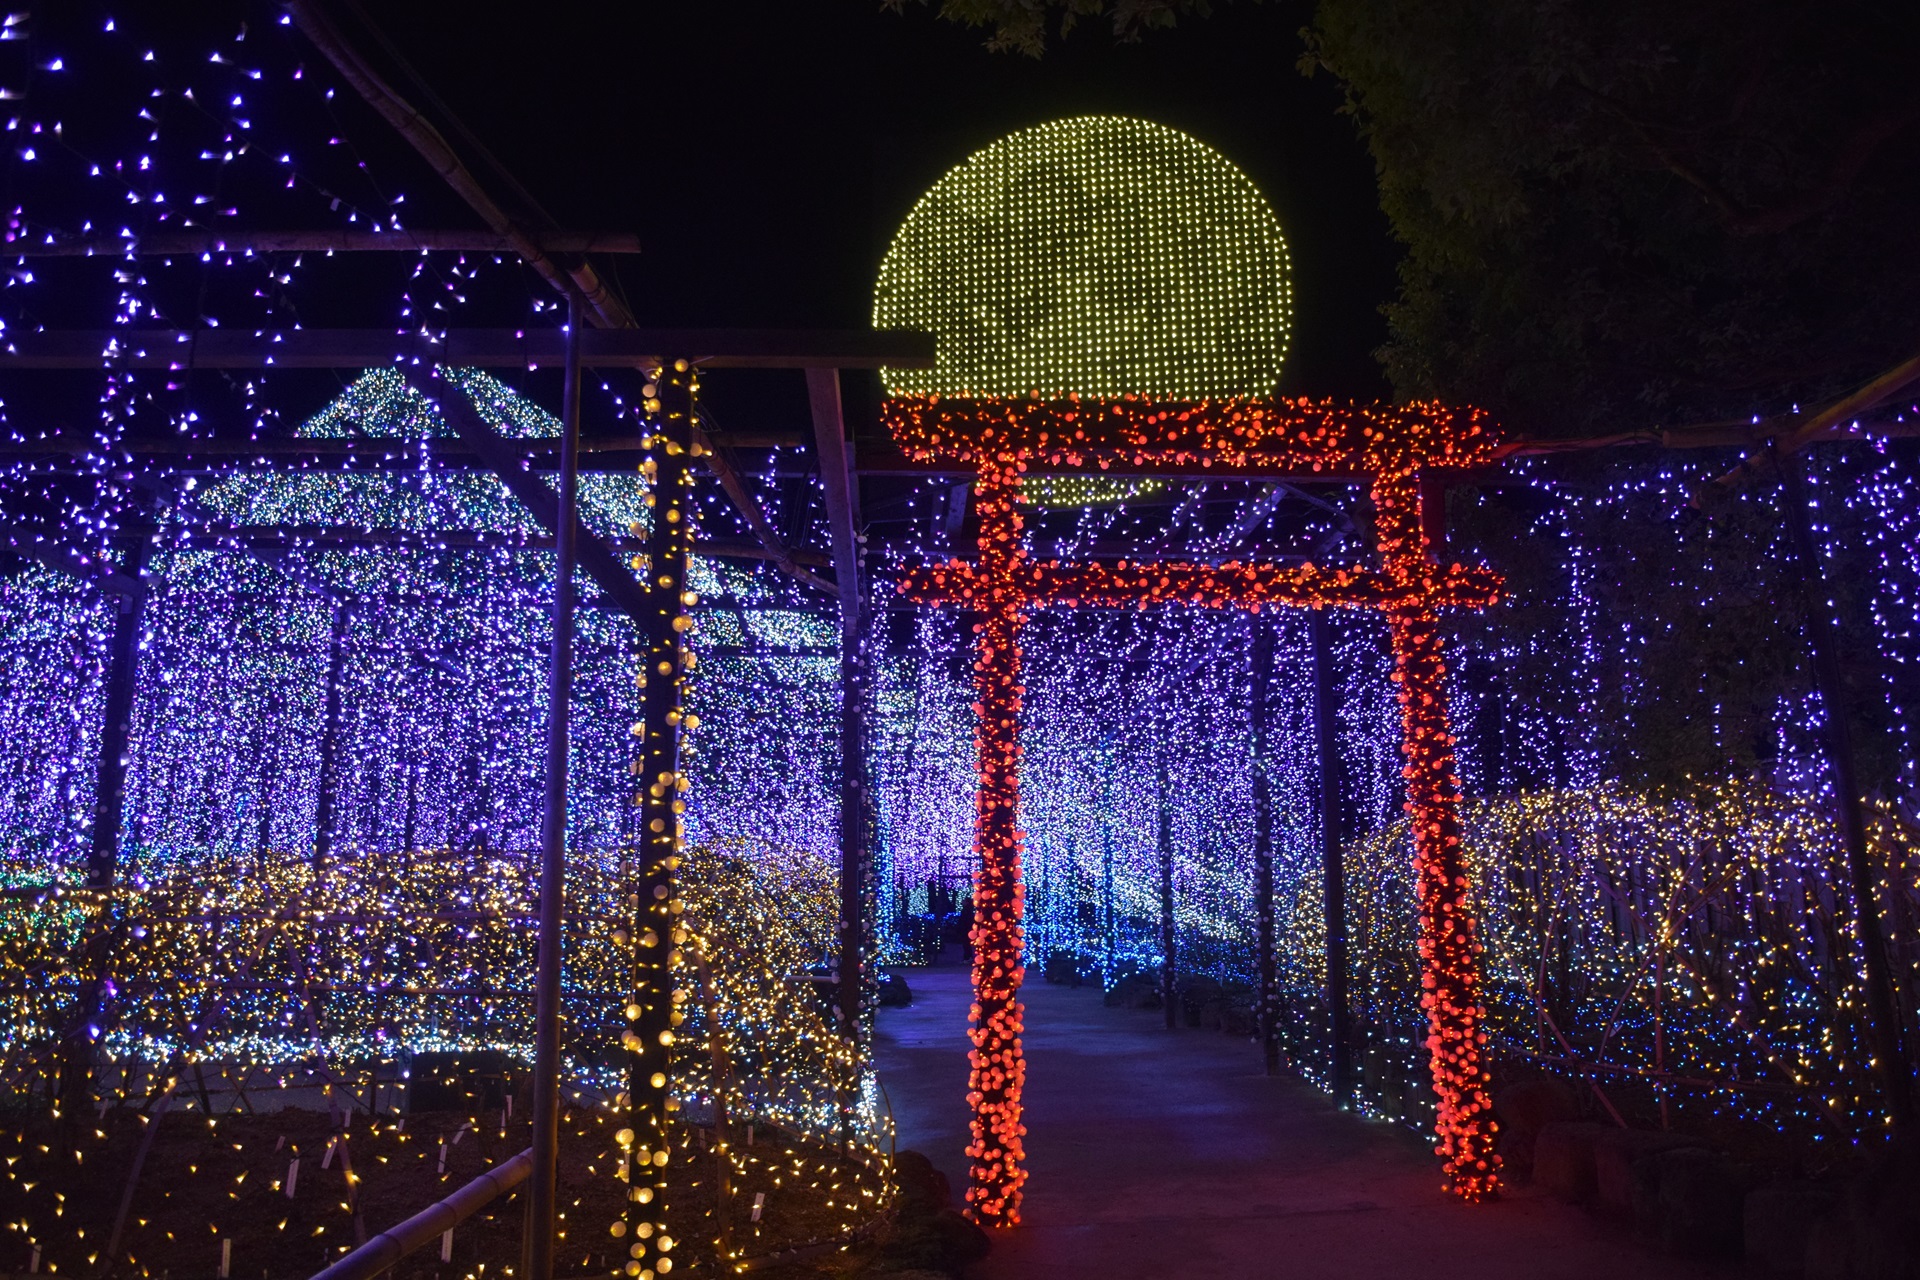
(73, 562)
(748, 507)
(182, 349)
(578, 281)
(163, 244)
(540, 501)
(1838, 421)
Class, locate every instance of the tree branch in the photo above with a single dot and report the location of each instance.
(1850, 159)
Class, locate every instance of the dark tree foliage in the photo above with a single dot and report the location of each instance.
(1627, 214)
(1640, 212)
(1695, 665)
(1616, 216)
(1022, 26)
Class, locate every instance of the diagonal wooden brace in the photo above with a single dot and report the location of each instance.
(503, 459)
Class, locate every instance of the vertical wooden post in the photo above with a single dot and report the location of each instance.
(1109, 921)
(537, 1243)
(839, 488)
(1267, 1008)
(330, 737)
(997, 1063)
(1169, 940)
(73, 1071)
(110, 771)
(1891, 1063)
(657, 932)
(856, 867)
(1333, 865)
(410, 824)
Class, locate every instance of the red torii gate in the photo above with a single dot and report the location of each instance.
(1389, 446)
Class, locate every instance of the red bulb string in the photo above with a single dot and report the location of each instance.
(998, 1066)
(1389, 444)
(1311, 437)
(1449, 941)
(1448, 935)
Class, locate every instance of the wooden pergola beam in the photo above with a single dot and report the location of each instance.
(752, 549)
(748, 507)
(167, 244)
(1836, 418)
(320, 537)
(630, 348)
(839, 488)
(577, 279)
(578, 282)
(1838, 421)
(77, 564)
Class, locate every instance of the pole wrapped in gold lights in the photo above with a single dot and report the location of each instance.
(1394, 447)
(657, 931)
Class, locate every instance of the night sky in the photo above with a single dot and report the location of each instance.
(767, 151)
(764, 152)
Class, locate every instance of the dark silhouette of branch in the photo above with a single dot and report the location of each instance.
(1850, 160)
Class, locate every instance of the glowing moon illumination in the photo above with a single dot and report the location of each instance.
(1100, 255)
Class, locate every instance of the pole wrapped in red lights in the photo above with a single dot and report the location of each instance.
(1448, 936)
(1389, 445)
(998, 1067)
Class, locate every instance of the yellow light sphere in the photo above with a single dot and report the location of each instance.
(1101, 255)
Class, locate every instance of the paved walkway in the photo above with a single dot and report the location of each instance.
(1158, 1154)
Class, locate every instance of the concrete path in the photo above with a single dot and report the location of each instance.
(1158, 1154)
